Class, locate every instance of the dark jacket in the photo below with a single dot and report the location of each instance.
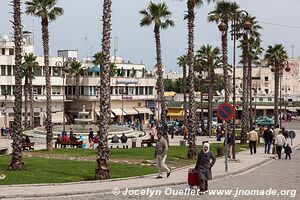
(287, 150)
(268, 136)
(204, 165)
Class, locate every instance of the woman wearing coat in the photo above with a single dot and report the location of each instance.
(205, 162)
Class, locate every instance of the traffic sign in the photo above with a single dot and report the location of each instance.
(225, 111)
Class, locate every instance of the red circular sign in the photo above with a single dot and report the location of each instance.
(225, 111)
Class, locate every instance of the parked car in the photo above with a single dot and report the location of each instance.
(264, 121)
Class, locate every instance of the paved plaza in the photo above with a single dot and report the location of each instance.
(259, 171)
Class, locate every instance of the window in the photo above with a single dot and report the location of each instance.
(141, 91)
(8, 89)
(3, 51)
(81, 90)
(131, 91)
(3, 68)
(267, 91)
(261, 99)
(128, 73)
(3, 89)
(111, 90)
(37, 72)
(116, 90)
(150, 90)
(9, 70)
(269, 99)
(11, 52)
(37, 90)
(56, 90)
(56, 71)
(266, 78)
(136, 90)
(121, 90)
(146, 90)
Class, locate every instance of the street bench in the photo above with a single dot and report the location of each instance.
(148, 142)
(64, 144)
(28, 146)
(3, 151)
(124, 145)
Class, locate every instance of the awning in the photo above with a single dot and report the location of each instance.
(169, 94)
(143, 110)
(94, 69)
(118, 111)
(58, 117)
(292, 110)
(175, 113)
(98, 113)
(130, 111)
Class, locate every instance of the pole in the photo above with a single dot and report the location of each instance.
(5, 114)
(64, 93)
(226, 147)
(234, 87)
(122, 111)
(280, 102)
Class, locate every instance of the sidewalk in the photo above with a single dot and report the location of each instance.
(178, 176)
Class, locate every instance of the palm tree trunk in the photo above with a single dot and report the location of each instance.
(26, 102)
(185, 106)
(225, 65)
(276, 93)
(102, 170)
(210, 98)
(31, 98)
(160, 82)
(250, 93)
(202, 114)
(245, 87)
(77, 92)
(190, 62)
(45, 36)
(16, 158)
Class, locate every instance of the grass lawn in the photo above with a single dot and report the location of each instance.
(39, 170)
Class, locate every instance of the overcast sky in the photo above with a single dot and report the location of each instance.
(80, 28)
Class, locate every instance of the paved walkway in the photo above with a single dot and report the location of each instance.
(179, 176)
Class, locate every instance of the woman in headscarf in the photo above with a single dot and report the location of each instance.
(205, 162)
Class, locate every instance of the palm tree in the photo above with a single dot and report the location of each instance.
(276, 56)
(159, 15)
(224, 12)
(209, 58)
(190, 16)
(247, 73)
(46, 10)
(16, 158)
(98, 62)
(77, 70)
(28, 66)
(182, 62)
(102, 170)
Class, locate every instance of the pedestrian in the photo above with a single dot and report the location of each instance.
(253, 139)
(91, 136)
(287, 151)
(284, 133)
(268, 138)
(161, 152)
(205, 162)
(279, 142)
(229, 144)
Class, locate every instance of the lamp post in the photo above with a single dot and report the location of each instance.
(234, 36)
(65, 70)
(5, 108)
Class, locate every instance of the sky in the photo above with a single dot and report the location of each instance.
(80, 28)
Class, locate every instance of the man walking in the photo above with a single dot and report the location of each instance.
(161, 151)
(268, 138)
(253, 139)
(279, 142)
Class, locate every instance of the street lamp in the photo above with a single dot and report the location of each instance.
(234, 36)
(65, 70)
(5, 108)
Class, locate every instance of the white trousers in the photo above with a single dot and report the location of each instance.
(161, 165)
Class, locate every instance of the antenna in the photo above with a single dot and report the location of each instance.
(116, 44)
(292, 51)
(86, 51)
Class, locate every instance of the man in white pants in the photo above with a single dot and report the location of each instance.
(161, 151)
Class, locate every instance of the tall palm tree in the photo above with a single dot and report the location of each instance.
(28, 66)
(16, 162)
(102, 170)
(209, 58)
(247, 73)
(98, 62)
(182, 62)
(46, 10)
(275, 56)
(255, 52)
(77, 70)
(224, 12)
(190, 17)
(158, 15)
